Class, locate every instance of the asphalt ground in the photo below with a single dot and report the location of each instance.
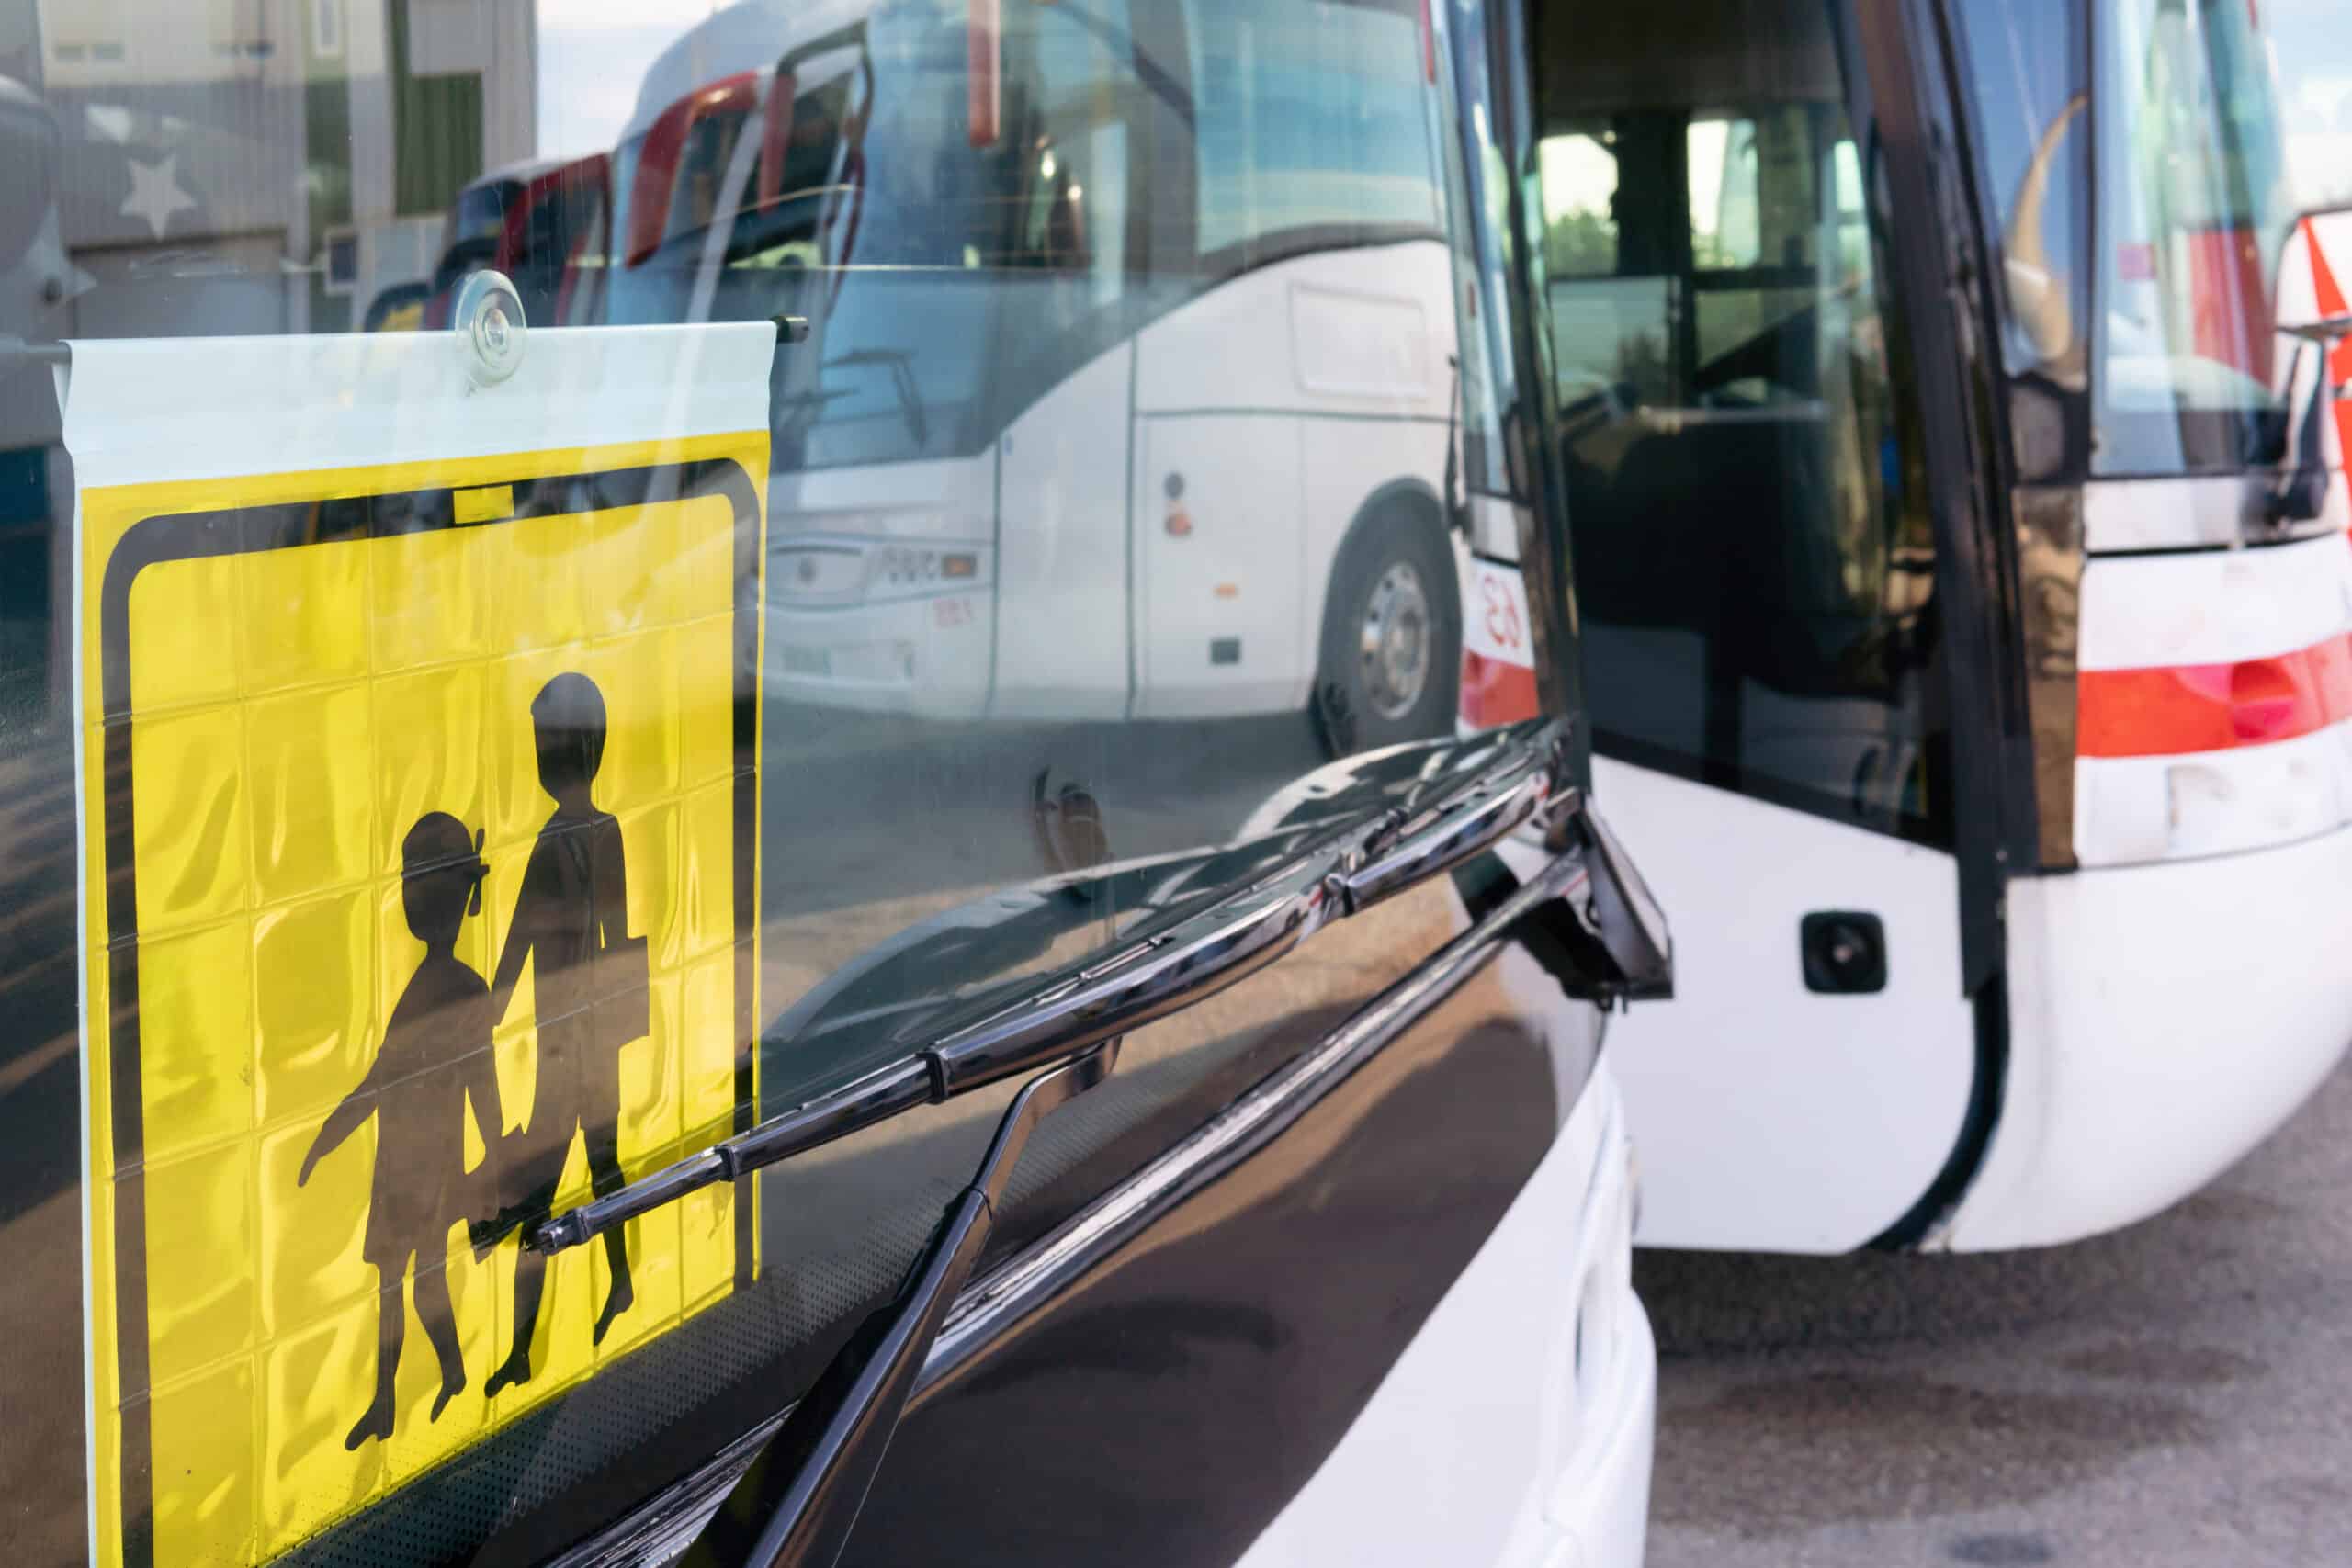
(2177, 1393)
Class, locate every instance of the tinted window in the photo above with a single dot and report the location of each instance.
(2194, 208)
(1754, 577)
(1316, 122)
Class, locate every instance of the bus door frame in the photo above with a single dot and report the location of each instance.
(1906, 103)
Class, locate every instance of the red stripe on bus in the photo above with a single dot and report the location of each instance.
(1496, 693)
(2212, 707)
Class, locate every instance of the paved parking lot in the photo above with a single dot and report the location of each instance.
(2180, 1392)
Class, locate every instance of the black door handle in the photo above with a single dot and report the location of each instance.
(1842, 952)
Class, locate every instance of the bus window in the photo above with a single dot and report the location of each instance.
(765, 193)
(1609, 319)
(2193, 178)
(1311, 125)
(2032, 147)
(1754, 588)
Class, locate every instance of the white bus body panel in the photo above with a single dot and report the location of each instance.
(1382, 332)
(1348, 461)
(1089, 606)
(1770, 1117)
(1284, 401)
(2163, 1020)
(1482, 1445)
(1061, 566)
(920, 650)
(1220, 624)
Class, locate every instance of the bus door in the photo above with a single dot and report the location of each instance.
(1755, 573)
(1292, 412)
(1964, 597)
(1058, 200)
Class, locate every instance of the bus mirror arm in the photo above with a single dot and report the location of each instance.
(1622, 916)
(2301, 493)
(2326, 331)
(791, 329)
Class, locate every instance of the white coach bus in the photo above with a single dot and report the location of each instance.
(1103, 301)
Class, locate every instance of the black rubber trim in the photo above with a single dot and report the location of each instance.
(1901, 68)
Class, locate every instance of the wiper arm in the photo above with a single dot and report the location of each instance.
(810, 1484)
(1188, 962)
(1147, 979)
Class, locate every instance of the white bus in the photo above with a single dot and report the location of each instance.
(1103, 301)
(1965, 643)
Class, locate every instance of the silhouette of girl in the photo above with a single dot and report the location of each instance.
(435, 1052)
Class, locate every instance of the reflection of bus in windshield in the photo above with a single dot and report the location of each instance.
(1973, 690)
(2194, 176)
(542, 224)
(1102, 298)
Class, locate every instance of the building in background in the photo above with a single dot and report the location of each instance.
(224, 166)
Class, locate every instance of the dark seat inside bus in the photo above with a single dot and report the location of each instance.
(1753, 591)
(1704, 529)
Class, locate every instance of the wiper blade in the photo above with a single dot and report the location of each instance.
(809, 1485)
(1188, 961)
(815, 1475)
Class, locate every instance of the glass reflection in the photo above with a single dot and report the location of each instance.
(1109, 494)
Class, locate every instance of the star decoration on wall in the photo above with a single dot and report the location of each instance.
(156, 192)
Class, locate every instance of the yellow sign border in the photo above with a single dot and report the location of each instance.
(251, 513)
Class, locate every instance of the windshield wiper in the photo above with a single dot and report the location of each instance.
(809, 1485)
(812, 1481)
(1067, 1012)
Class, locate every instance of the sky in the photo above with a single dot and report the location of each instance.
(593, 54)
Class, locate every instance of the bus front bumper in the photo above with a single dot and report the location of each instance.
(927, 657)
(2163, 1019)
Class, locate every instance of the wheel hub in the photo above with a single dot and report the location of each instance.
(1394, 640)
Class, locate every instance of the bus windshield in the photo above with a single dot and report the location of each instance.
(2194, 208)
(977, 199)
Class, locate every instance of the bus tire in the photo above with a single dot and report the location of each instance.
(1390, 666)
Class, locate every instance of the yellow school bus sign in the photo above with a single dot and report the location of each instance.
(420, 829)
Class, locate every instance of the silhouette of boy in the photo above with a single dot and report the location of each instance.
(435, 1052)
(572, 921)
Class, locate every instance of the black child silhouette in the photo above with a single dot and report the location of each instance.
(589, 978)
(435, 1052)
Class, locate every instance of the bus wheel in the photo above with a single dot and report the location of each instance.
(1392, 637)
